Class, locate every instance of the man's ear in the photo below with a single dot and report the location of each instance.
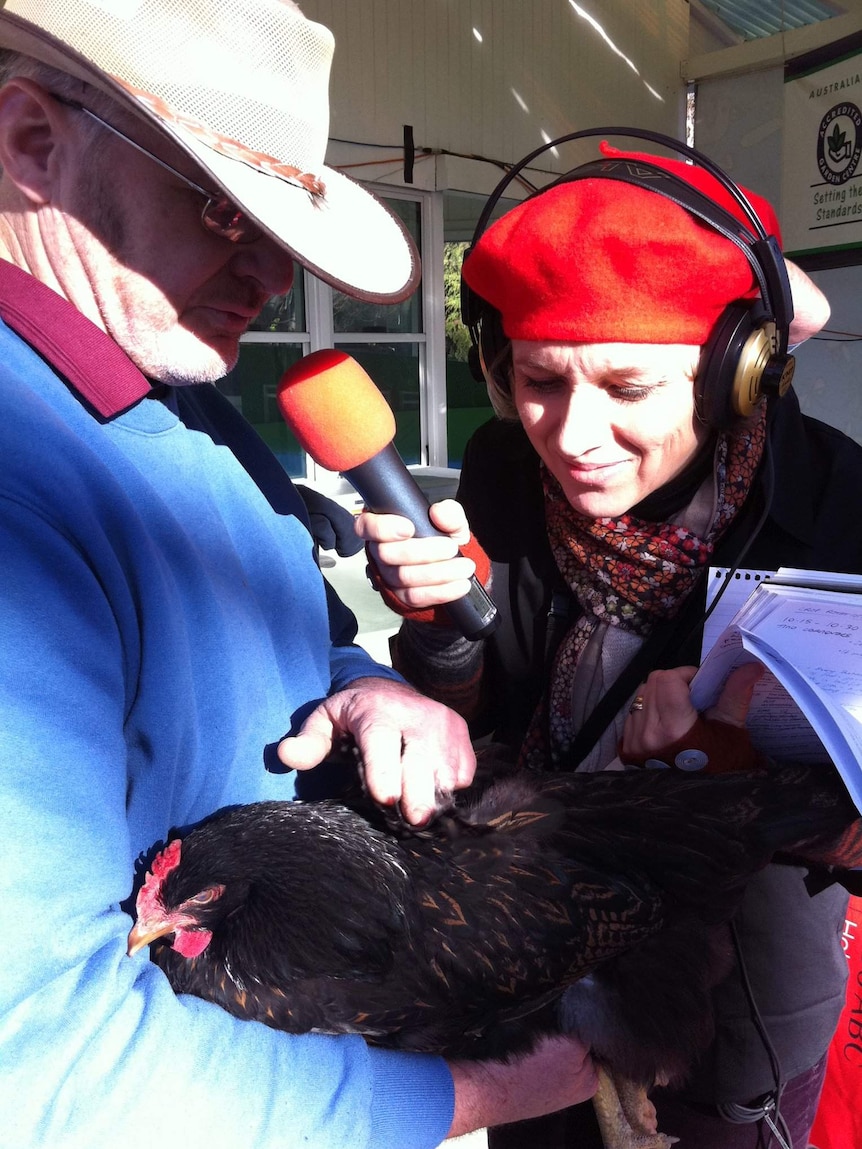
(31, 136)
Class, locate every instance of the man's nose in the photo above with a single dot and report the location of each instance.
(264, 262)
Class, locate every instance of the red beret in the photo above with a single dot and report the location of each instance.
(600, 261)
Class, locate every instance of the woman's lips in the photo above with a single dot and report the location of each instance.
(595, 472)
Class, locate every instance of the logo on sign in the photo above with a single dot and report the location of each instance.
(839, 143)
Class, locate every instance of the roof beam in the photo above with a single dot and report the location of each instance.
(771, 51)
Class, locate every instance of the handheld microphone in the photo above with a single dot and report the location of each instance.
(342, 420)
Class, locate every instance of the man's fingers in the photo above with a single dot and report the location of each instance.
(419, 792)
(380, 751)
(305, 750)
(411, 748)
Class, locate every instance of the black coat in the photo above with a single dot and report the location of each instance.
(815, 522)
(789, 939)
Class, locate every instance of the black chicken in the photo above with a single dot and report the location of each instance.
(544, 903)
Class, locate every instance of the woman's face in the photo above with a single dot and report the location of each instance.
(613, 422)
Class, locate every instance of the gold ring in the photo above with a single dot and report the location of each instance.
(638, 704)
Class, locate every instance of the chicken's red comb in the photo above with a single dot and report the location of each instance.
(165, 861)
(335, 410)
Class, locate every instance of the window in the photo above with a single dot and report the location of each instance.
(467, 404)
(387, 340)
(415, 351)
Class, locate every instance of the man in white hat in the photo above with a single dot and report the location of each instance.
(162, 623)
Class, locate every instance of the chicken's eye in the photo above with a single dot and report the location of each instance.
(206, 896)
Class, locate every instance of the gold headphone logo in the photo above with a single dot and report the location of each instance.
(761, 371)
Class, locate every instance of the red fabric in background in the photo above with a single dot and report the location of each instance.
(839, 1114)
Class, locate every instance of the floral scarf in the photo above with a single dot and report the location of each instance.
(629, 573)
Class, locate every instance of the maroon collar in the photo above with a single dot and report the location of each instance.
(90, 361)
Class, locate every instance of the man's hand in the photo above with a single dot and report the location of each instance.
(412, 748)
(558, 1073)
(421, 572)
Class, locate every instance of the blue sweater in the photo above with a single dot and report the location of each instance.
(161, 625)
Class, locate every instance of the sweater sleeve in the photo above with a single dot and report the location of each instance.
(348, 660)
(442, 664)
(96, 1048)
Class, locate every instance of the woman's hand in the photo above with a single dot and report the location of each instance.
(666, 719)
(426, 572)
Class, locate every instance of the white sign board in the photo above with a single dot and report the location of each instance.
(821, 200)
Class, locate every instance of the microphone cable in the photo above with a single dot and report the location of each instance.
(768, 1109)
(768, 473)
(765, 1109)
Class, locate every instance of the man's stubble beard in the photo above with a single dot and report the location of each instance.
(135, 312)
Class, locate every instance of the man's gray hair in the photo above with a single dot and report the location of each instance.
(14, 64)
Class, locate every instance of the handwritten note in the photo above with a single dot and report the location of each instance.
(808, 707)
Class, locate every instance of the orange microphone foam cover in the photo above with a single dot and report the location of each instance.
(335, 410)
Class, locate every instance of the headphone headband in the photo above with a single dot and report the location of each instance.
(659, 138)
(762, 369)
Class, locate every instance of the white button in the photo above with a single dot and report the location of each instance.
(656, 764)
(691, 760)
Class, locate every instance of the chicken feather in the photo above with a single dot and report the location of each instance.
(538, 905)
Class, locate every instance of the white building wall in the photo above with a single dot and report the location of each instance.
(541, 68)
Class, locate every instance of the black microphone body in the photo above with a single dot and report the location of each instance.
(387, 487)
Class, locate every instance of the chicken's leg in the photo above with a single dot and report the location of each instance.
(626, 1115)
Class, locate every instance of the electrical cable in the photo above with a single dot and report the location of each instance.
(768, 472)
(767, 1108)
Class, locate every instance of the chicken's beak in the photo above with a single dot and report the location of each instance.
(142, 933)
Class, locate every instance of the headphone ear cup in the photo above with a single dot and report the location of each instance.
(730, 371)
(486, 342)
(474, 362)
(740, 367)
(491, 341)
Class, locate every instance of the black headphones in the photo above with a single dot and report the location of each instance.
(746, 358)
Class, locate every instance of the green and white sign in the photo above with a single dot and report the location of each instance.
(821, 202)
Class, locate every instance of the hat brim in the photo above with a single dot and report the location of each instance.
(347, 237)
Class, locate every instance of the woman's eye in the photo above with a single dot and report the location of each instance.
(539, 386)
(630, 394)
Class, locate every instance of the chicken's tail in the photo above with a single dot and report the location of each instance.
(690, 832)
(802, 813)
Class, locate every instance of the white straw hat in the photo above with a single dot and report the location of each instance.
(242, 86)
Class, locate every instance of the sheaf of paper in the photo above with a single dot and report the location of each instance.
(740, 584)
(812, 643)
(776, 723)
(821, 636)
(840, 733)
(744, 581)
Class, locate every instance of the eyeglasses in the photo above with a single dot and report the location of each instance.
(219, 215)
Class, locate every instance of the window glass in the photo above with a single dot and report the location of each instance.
(284, 312)
(394, 367)
(252, 386)
(354, 315)
(467, 403)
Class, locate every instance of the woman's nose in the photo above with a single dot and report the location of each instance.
(583, 422)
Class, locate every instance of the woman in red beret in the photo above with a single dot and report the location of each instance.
(613, 478)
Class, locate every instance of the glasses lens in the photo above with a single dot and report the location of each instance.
(224, 218)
